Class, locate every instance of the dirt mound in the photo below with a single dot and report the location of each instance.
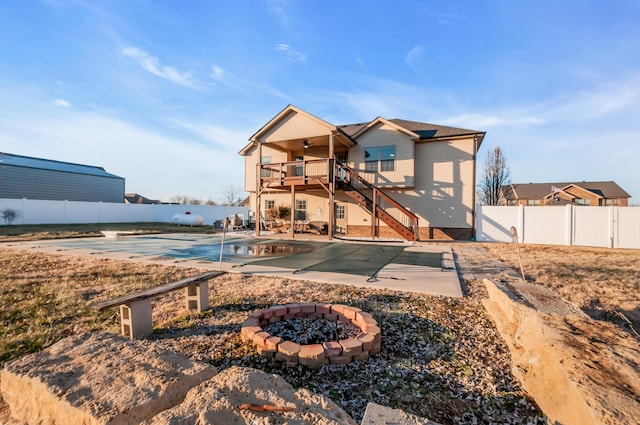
(105, 379)
(245, 395)
(98, 379)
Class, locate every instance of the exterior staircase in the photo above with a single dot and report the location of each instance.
(378, 203)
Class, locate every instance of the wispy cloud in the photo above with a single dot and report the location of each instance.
(62, 103)
(289, 53)
(224, 77)
(413, 58)
(152, 64)
(277, 8)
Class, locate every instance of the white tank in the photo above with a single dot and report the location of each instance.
(188, 219)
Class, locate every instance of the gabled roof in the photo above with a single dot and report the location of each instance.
(366, 127)
(136, 198)
(420, 131)
(424, 130)
(289, 109)
(606, 189)
(48, 164)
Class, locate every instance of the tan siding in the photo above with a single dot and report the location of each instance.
(443, 196)
(295, 126)
(383, 135)
(251, 161)
(317, 203)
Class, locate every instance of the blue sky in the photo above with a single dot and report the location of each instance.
(165, 93)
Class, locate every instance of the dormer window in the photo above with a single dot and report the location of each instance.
(380, 158)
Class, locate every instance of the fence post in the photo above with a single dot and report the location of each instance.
(479, 217)
(521, 223)
(612, 223)
(568, 225)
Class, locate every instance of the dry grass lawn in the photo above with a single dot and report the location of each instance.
(603, 282)
(442, 358)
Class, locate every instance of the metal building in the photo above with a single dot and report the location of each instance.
(37, 178)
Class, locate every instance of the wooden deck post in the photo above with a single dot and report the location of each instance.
(293, 211)
(332, 186)
(258, 188)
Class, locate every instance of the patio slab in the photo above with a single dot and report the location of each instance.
(412, 267)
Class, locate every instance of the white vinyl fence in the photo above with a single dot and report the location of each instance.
(610, 227)
(32, 211)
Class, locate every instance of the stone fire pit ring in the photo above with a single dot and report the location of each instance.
(344, 351)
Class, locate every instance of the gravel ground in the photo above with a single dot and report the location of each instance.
(442, 358)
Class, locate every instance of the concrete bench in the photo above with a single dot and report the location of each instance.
(135, 308)
(114, 234)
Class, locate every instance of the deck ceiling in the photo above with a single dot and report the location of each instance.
(294, 145)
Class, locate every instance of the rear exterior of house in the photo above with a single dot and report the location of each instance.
(383, 178)
(605, 193)
(37, 178)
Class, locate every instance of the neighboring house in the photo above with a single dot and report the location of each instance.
(136, 198)
(37, 178)
(420, 177)
(576, 193)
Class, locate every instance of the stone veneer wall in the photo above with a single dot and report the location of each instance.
(314, 355)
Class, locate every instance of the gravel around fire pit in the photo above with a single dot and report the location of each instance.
(307, 330)
(442, 358)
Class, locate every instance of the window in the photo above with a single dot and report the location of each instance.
(265, 173)
(339, 211)
(268, 204)
(581, 201)
(533, 202)
(301, 209)
(610, 202)
(381, 158)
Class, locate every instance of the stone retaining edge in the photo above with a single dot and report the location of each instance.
(344, 351)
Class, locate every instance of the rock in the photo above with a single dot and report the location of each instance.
(104, 379)
(578, 370)
(98, 379)
(381, 415)
(218, 401)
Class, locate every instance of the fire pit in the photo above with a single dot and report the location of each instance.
(339, 351)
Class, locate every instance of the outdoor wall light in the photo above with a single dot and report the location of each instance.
(306, 144)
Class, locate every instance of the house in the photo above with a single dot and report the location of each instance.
(383, 178)
(38, 178)
(606, 193)
(136, 198)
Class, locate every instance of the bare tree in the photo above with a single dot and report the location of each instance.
(495, 175)
(185, 200)
(9, 215)
(232, 196)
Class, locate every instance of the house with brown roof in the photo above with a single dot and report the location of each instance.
(136, 198)
(381, 178)
(606, 193)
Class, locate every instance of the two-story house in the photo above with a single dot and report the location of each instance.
(383, 178)
(606, 193)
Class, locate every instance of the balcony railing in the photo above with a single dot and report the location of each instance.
(296, 172)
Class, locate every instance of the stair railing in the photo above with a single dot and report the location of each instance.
(384, 202)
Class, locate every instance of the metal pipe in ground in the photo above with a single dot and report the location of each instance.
(225, 223)
(514, 233)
